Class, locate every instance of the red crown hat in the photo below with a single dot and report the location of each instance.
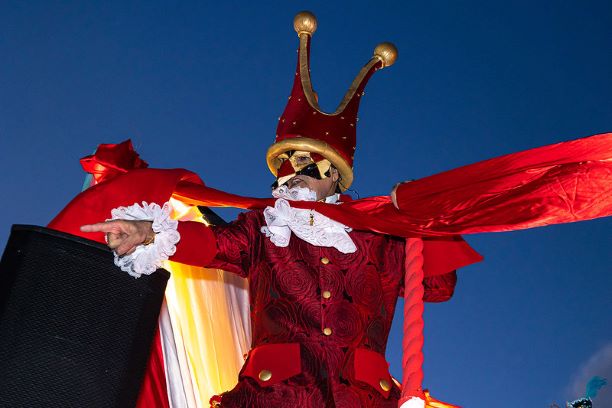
(305, 127)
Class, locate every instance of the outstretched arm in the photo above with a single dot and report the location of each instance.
(124, 236)
(228, 247)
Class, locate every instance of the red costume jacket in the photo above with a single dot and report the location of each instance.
(320, 318)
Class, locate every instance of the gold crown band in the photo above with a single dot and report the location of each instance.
(314, 146)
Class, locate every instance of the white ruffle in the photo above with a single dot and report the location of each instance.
(146, 259)
(301, 194)
(414, 402)
(294, 194)
(282, 220)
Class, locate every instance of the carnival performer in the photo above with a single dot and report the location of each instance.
(322, 296)
(325, 271)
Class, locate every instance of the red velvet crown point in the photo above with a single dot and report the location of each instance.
(304, 126)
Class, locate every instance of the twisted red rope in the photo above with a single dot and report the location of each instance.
(412, 343)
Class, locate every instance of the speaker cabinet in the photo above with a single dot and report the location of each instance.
(75, 330)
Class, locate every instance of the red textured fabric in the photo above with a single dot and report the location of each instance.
(198, 247)
(289, 305)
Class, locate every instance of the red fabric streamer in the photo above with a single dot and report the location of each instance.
(564, 182)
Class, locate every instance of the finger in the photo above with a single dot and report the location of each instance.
(108, 226)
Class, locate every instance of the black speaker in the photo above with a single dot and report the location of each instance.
(75, 330)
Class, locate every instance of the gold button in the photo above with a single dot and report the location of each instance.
(384, 384)
(326, 294)
(324, 261)
(327, 331)
(265, 375)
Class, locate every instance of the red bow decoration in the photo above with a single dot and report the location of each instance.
(111, 160)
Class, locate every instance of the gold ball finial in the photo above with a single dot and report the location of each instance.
(387, 52)
(305, 22)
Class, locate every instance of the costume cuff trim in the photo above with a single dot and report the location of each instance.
(146, 259)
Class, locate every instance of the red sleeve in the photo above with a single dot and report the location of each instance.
(197, 245)
(228, 247)
(237, 244)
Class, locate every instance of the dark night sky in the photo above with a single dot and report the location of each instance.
(200, 85)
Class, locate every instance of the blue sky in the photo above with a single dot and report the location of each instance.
(200, 85)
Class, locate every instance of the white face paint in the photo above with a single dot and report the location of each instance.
(295, 193)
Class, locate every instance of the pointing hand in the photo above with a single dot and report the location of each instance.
(123, 236)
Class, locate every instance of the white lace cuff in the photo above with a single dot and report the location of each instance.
(146, 259)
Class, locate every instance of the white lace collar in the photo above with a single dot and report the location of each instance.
(309, 225)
